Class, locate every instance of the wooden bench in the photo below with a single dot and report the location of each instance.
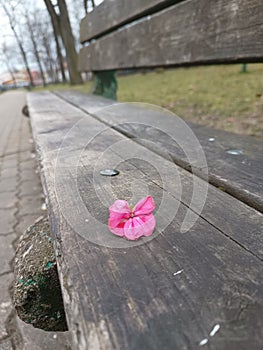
(198, 280)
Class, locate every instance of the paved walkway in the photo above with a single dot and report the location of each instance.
(21, 199)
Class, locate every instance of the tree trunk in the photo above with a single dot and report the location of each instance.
(7, 62)
(69, 43)
(63, 27)
(35, 48)
(56, 31)
(60, 58)
(49, 61)
(23, 53)
(10, 72)
(92, 3)
(85, 2)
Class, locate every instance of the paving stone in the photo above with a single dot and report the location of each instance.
(8, 173)
(13, 146)
(6, 345)
(9, 163)
(28, 164)
(7, 254)
(17, 164)
(29, 175)
(24, 222)
(5, 302)
(30, 205)
(27, 188)
(8, 185)
(26, 129)
(8, 220)
(7, 200)
(26, 154)
(10, 156)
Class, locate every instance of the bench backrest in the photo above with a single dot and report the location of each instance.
(121, 34)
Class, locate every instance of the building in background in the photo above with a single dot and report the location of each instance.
(18, 79)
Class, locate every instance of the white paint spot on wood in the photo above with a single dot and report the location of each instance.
(203, 342)
(211, 139)
(55, 336)
(214, 330)
(178, 272)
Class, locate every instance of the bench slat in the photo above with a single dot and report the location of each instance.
(111, 14)
(191, 32)
(240, 175)
(130, 298)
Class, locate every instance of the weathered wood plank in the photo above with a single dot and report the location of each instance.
(241, 175)
(191, 32)
(130, 297)
(113, 13)
(235, 163)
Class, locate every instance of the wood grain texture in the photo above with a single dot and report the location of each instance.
(113, 13)
(191, 32)
(130, 298)
(240, 175)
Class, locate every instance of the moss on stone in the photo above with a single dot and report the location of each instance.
(37, 292)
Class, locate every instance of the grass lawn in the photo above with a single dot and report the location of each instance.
(218, 96)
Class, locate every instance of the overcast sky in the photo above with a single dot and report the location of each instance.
(6, 32)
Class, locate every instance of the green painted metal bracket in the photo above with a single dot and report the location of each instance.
(244, 68)
(105, 84)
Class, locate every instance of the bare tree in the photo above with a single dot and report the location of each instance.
(31, 25)
(62, 27)
(56, 31)
(10, 12)
(44, 32)
(49, 60)
(6, 58)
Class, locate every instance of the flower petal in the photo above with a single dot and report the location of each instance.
(148, 224)
(117, 230)
(119, 211)
(120, 206)
(144, 207)
(139, 226)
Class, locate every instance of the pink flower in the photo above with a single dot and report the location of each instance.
(132, 223)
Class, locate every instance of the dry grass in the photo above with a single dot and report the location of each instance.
(218, 96)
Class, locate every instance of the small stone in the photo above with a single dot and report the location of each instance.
(7, 252)
(6, 304)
